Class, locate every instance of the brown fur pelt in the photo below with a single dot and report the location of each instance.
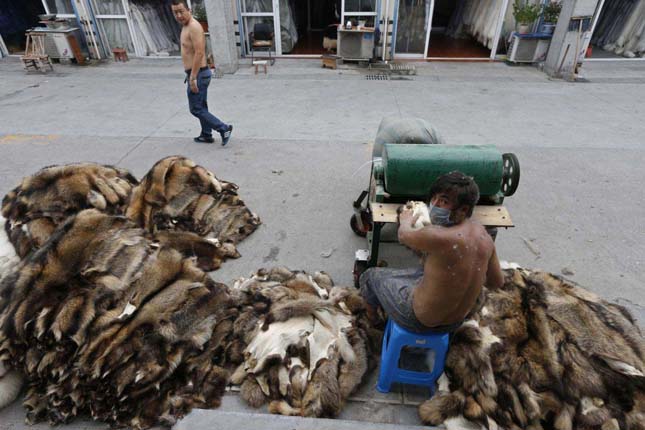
(44, 200)
(176, 202)
(104, 321)
(112, 315)
(303, 344)
(177, 194)
(544, 353)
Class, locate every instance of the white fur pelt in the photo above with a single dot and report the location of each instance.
(10, 380)
(8, 256)
(421, 209)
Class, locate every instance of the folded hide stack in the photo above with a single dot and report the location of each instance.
(113, 318)
(544, 353)
(306, 344)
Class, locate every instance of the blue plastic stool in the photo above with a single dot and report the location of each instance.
(394, 339)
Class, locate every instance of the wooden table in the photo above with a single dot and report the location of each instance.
(488, 216)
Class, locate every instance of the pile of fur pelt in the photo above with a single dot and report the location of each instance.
(110, 311)
(303, 343)
(543, 353)
(175, 196)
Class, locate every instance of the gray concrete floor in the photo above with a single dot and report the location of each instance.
(300, 153)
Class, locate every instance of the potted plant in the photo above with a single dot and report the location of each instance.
(525, 14)
(199, 13)
(550, 15)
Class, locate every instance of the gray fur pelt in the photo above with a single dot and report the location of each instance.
(544, 353)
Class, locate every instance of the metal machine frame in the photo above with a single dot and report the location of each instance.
(370, 217)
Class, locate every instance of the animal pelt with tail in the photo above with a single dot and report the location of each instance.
(177, 194)
(303, 343)
(103, 320)
(82, 274)
(44, 200)
(176, 201)
(543, 353)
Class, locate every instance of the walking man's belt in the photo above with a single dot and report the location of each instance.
(201, 69)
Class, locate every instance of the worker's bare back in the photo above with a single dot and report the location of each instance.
(190, 34)
(455, 269)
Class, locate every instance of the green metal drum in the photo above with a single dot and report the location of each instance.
(410, 169)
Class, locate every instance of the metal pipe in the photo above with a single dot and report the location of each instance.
(386, 25)
(395, 28)
(429, 30)
(498, 31)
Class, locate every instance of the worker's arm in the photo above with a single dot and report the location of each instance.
(424, 239)
(199, 48)
(494, 275)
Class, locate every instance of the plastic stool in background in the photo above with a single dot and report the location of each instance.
(394, 339)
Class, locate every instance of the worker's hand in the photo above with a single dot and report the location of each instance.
(193, 87)
(407, 218)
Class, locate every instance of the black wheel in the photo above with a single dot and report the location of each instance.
(359, 267)
(511, 174)
(353, 223)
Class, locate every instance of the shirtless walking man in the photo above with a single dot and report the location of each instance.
(198, 74)
(459, 258)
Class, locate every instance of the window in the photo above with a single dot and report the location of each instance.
(60, 7)
(360, 6)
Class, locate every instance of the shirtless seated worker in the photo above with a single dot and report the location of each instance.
(459, 257)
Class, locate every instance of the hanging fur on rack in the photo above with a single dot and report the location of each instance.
(477, 18)
(304, 344)
(621, 28)
(543, 353)
(109, 317)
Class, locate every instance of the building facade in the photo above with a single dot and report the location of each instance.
(403, 29)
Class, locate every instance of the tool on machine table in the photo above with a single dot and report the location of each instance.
(406, 171)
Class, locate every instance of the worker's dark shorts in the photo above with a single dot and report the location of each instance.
(392, 289)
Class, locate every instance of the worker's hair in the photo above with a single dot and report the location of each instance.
(466, 189)
(178, 2)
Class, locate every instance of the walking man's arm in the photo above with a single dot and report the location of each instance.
(199, 48)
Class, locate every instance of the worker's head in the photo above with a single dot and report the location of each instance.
(181, 11)
(453, 197)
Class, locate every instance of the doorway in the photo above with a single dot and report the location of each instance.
(452, 29)
(15, 19)
(311, 18)
(411, 29)
(618, 31)
(156, 28)
(453, 26)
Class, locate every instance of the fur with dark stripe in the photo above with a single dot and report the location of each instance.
(557, 356)
(110, 317)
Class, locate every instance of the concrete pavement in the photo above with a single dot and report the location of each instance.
(301, 149)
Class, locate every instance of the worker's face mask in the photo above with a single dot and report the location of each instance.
(439, 216)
